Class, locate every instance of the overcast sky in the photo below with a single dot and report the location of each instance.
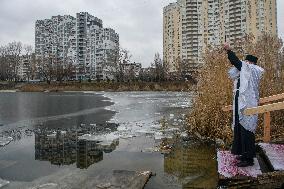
(138, 22)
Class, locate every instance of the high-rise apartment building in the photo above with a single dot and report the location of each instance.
(254, 17)
(81, 40)
(194, 32)
(172, 36)
(52, 35)
(107, 52)
(88, 35)
(212, 22)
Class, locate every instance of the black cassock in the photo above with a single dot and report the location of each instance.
(244, 140)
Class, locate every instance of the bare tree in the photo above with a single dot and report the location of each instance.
(124, 57)
(29, 63)
(3, 63)
(46, 67)
(184, 69)
(178, 68)
(109, 64)
(14, 51)
(63, 68)
(69, 68)
(159, 72)
(166, 71)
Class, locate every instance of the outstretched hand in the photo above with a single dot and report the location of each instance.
(227, 46)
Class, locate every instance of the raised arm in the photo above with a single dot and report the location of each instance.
(232, 57)
(234, 60)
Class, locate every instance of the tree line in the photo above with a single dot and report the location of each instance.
(16, 58)
(19, 62)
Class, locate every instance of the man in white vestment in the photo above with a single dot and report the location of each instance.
(246, 76)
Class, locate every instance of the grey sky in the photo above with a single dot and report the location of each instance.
(138, 22)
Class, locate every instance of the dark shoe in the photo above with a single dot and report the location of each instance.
(245, 164)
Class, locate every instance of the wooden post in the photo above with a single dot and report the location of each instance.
(266, 128)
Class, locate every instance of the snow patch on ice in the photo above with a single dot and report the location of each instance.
(105, 139)
(3, 183)
(275, 154)
(145, 173)
(228, 168)
(5, 141)
(46, 186)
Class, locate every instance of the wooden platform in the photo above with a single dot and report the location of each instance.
(267, 171)
(228, 169)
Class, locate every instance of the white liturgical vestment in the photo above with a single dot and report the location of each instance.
(250, 76)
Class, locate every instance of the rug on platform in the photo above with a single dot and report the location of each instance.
(275, 154)
(227, 166)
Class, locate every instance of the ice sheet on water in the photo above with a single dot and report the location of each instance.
(182, 104)
(3, 183)
(171, 130)
(165, 133)
(8, 91)
(139, 113)
(5, 140)
(159, 135)
(129, 129)
(52, 135)
(184, 134)
(104, 139)
(127, 136)
(91, 92)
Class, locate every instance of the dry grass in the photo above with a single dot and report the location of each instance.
(215, 89)
(110, 86)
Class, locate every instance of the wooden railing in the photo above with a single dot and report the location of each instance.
(265, 109)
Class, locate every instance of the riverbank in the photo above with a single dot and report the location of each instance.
(100, 86)
(5, 85)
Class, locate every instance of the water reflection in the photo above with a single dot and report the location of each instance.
(66, 148)
(193, 164)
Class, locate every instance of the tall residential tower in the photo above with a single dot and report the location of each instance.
(172, 36)
(81, 40)
(212, 22)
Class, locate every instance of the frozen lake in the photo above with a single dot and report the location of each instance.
(51, 138)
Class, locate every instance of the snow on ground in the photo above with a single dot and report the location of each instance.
(275, 153)
(228, 168)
